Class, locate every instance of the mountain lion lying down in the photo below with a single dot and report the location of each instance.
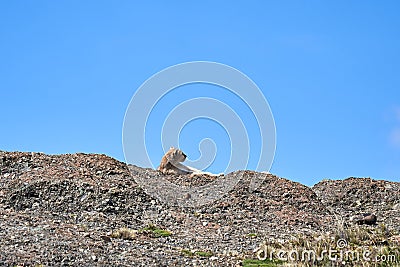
(171, 164)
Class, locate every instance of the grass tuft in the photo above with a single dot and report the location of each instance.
(351, 240)
(187, 253)
(259, 263)
(124, 233)
(205, 254)
(155, 231)
(202, 254)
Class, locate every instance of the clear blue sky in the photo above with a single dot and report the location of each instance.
(329, 69)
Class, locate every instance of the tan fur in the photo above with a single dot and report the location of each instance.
(171, 164)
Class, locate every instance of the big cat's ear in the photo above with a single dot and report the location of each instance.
(172, 147)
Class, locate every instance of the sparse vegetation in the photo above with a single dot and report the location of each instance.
(187, 253)
(348, 245)
(260, 263)
(205, 254)
(155, 231)
(124, 233)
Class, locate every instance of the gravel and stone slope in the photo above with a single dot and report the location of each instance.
(65, 210)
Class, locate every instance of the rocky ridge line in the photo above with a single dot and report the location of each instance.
(61, 209)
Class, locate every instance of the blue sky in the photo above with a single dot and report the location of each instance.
(329, 70)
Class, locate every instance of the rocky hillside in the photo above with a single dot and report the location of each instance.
(87, 210)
